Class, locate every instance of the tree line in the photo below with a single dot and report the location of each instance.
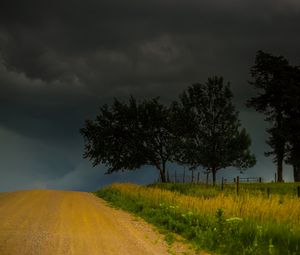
(201, 128)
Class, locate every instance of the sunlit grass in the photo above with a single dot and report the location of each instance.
(276, 208)
(251, 223)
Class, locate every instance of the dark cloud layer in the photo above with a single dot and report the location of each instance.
(60, 60)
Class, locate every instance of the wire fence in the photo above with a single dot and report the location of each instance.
(197, 177)
(236, 184)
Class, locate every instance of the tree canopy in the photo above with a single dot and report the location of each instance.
(277, 83)
(126, 136)
(209, 128)
(201, 129)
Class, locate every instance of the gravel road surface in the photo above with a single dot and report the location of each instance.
(49, 222)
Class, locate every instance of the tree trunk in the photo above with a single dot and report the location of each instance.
(279, 145)
(162, 175)
(214, 171)
(168, 176)
(296, 173)
(279, 169)
(192, 175)
(162, 172)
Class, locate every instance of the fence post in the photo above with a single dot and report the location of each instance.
(259, 179)
(268, 192)
(237, 184)
(298, 191)
(198, 177)
(275, 177)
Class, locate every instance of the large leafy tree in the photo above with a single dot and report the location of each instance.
(126, 136)
(210, 131)
(157, 134)
(271, 78)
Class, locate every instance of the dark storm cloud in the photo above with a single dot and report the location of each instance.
(60, 60)
(138, 42)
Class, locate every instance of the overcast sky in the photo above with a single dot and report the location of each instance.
(61, 60)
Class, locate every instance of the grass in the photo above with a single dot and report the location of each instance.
(214, 220)
(260, 189)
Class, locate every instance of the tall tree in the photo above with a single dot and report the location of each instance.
(292, 120)
(210, 130)
(271, 78)
(126, 136)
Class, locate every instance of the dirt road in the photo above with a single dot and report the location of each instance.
(47, 222)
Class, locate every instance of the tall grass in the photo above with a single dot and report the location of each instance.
(226, 223)
(261, 189)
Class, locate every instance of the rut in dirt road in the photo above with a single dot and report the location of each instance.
(48, 222)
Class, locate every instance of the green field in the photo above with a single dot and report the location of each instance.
(216, 220)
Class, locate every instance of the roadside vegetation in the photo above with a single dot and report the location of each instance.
(262, 189)
(216, 220)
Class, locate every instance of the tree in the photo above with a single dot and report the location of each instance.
(127, 136)
(158, 136)
(271, 78)
(109, 139)
(211, 134)
(292, 120)
(185, 146)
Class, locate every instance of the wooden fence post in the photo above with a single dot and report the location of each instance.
(298, 191)
(275, 177)
(198, 177)
(237, 184)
